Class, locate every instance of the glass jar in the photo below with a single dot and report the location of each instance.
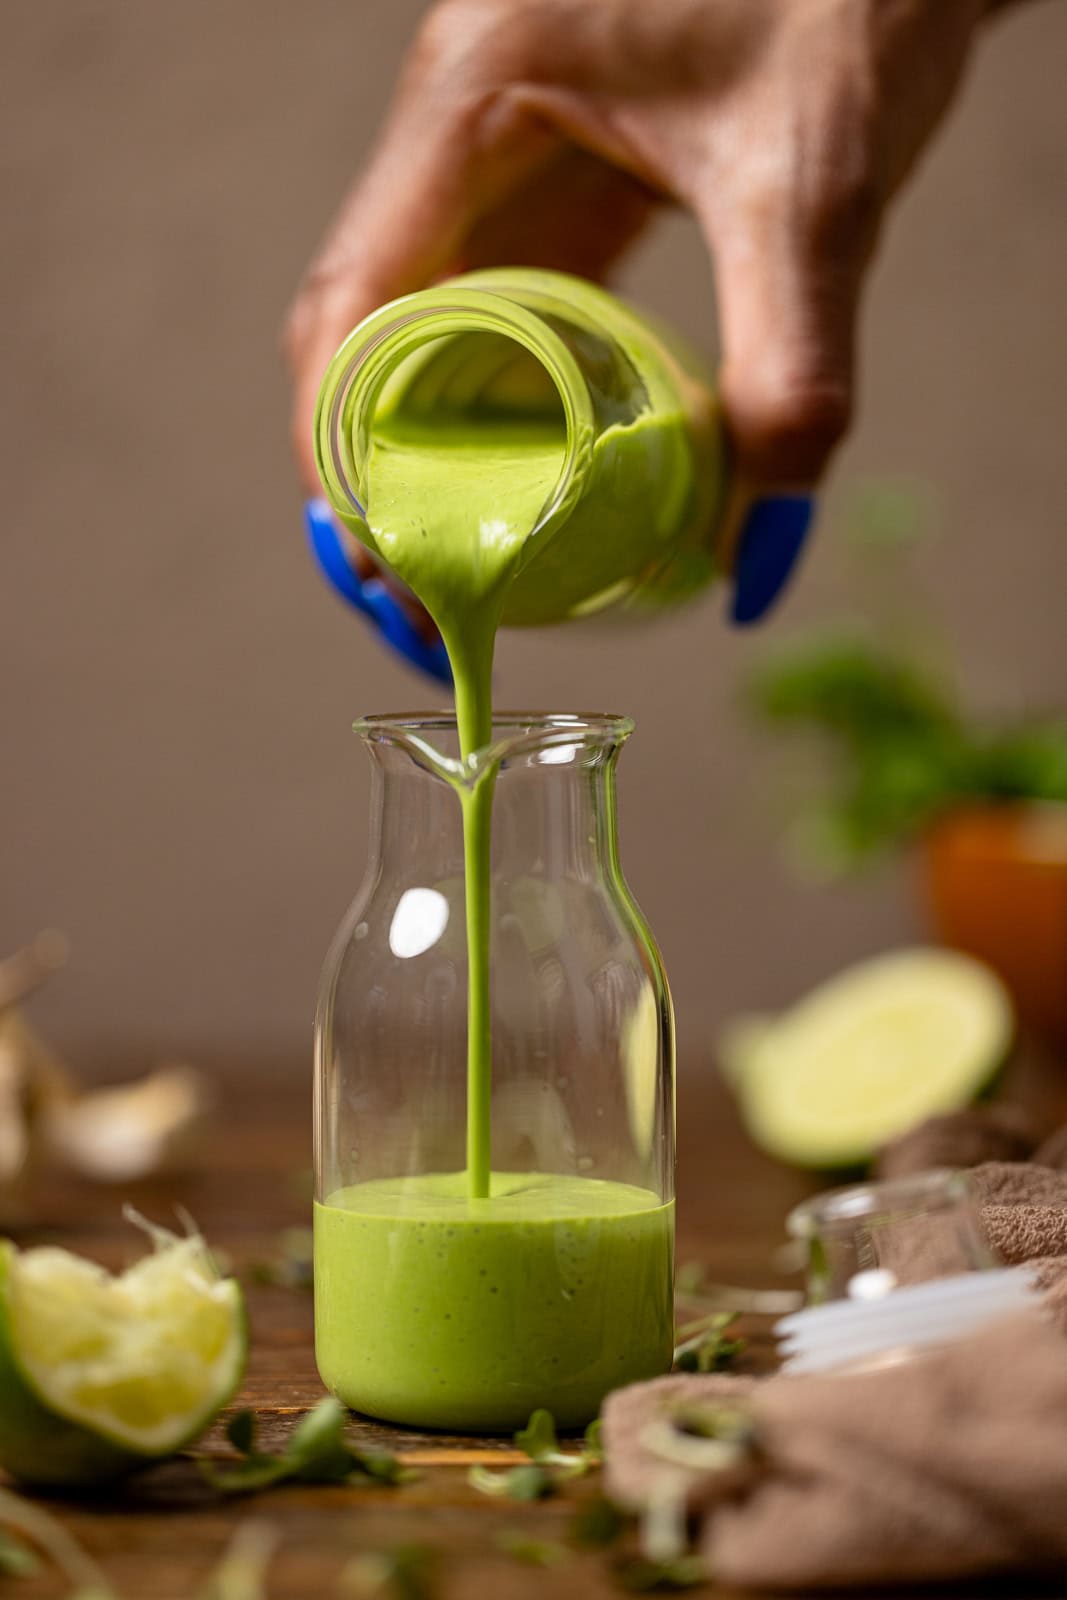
(634, 513)
(433, 1308)
(895, 1268)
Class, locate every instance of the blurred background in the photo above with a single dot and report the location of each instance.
(180, 791)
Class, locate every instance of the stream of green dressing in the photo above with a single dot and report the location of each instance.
(451, 508)
(465, 1300)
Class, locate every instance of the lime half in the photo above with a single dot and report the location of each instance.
(102, 1374)
(867, 1055)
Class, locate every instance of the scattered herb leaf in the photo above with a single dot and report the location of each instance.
(404, 1573)
(552, 1466)
(241, 1431)
(317, 1452)
(646, 1577)
(689, 1279)
(532, 1482)
(291, 1265)
(532, 1552)
(708, 1348)
(714, 1422)
(61, 1547)
(17, 1560)
(599, 1524)
(241, 1573)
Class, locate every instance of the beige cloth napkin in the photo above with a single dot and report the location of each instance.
(949, 1466)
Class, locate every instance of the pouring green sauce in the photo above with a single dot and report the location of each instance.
(541, 1288)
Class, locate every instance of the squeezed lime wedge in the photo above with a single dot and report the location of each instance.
(869, 1054)
(102, 1374)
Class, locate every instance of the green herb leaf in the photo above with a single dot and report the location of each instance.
(241, 1431)
(532, 1552)
(317, 1452)
(533, 1482)
(708, 1349)
(17, 1560)
(246, 1477)
(599, 1524)
(291, 1267)
(689, 1279)
(645, 1577)
(404, 1573)
(241, 1573)
(538, 1438)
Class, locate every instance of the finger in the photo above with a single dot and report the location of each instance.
(454, 143)
(789, 266)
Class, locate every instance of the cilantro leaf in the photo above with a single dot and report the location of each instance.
(532, 1482)
(17, 1560)
(599, 1524)
(404, 1573)
(241, 1432)
(708, 1349)
(538, 1438)
(317, 1452)
(532, 1552)
(644, 1577)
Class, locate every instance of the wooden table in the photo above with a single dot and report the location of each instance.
(158, 1537)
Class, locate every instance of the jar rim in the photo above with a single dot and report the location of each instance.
(515, 733)
(885, 1197)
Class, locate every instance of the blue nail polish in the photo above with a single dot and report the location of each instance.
(371, 598)
(399, 632)
(771, 541)
(329, 552)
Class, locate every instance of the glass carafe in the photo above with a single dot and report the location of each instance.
(432, 1308)
(635, 513)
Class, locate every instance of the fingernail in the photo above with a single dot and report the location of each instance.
(771, 541)
(370, 597)
(401, 634)
(329, 552)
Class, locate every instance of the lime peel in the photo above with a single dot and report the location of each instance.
(102, 1374)
(867, 1055)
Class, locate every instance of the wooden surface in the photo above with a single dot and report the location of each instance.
(158, 1537)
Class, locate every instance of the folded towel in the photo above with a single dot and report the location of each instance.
(998, 1132)
(948, 1466)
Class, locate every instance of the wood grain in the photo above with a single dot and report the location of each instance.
(158, 1537)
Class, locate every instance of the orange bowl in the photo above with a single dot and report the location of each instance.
(995, 882)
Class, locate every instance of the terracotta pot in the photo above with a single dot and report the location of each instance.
(995, 881)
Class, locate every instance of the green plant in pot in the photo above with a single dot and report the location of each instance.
(886, 758)
(983, 803)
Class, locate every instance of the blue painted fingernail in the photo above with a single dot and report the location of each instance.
(399, 632)
(771, 541)
(370, 597)
(329, 552)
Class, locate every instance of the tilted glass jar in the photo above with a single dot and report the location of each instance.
(432, 1308)
(635, 513)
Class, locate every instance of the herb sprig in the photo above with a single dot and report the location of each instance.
(706, 1345)
(317, 1452)
(549, 1467)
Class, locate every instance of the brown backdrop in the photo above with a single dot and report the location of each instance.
(179, 790)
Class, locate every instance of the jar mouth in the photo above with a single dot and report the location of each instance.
(540, 738)
(881, 1200)
(354, 377)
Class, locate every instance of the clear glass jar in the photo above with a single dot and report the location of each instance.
(634, 514)
(433, 1308)
(895, 1268)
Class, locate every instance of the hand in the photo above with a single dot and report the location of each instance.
(547, 132)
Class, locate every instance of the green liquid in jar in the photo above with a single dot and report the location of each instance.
(441, 1311)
